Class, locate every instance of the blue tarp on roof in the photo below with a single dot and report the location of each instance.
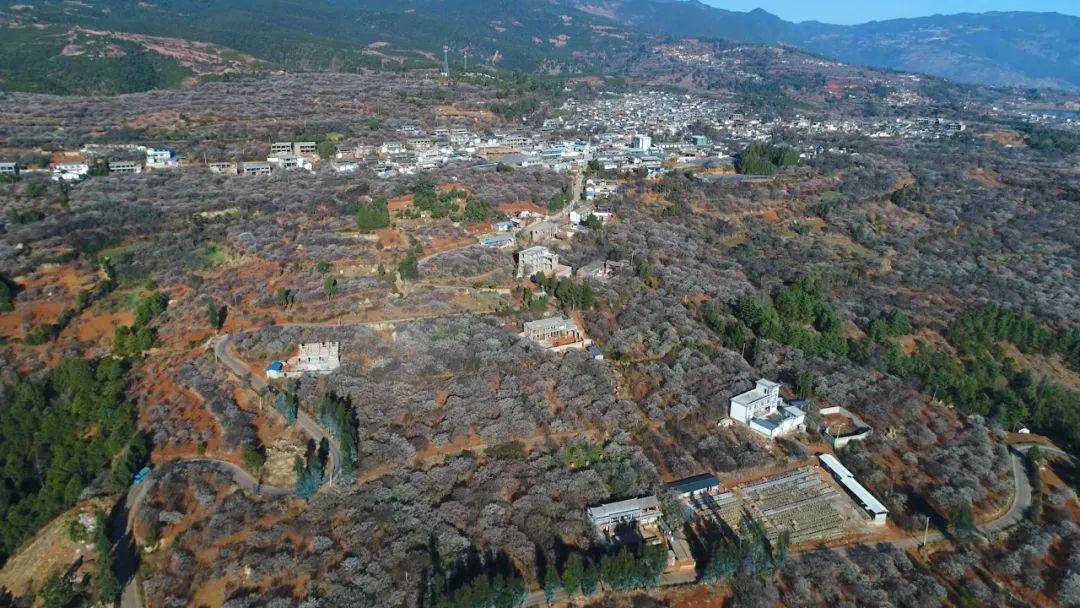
(275, 366)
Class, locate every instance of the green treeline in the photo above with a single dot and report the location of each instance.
(627, 570)
(978, 330)
(982, 379)
(575, 295)
(372, 216)
(979, 379)
(311, 469)
(426, 198)
(288, 405)
(139, 337)
(750, 555)
(335, 413)
(1045, 139)
(485, 589)
(764, 158)
(798, 315)
(58, 431)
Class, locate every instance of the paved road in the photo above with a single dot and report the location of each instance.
(132, 595)
(259, 384)
(1021, 501)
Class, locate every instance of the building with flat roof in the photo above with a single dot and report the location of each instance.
(497, 240)
(162, 158)
(311, 358)
(534, 260)
(125, 166)
(10, 168)
(762, 409)
(551, 328)
(255, 168)
(541, 231)
(635, 510)
(222, 167)
(70, 171)
(295, 148)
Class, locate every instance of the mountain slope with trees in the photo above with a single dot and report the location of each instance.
(996, 48)
(555, 37)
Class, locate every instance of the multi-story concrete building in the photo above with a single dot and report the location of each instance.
(762, 409)
(536, 259)
(295, 148)
(255, 168)
(125, 166)
(541, 231)
(641, 142)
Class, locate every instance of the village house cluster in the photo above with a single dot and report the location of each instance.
(649, 133)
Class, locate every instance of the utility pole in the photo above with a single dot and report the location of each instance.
(465, 53)
(926, 530)
(446, 61)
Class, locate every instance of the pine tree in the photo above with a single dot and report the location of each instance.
(573, 574)
(551, 583)
(589, 579)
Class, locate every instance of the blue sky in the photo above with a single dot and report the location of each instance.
(859, 11)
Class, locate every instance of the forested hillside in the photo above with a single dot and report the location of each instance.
(47, 47)
(322, 35)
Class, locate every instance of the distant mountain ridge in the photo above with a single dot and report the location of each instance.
(1023, 49)
(103, 46)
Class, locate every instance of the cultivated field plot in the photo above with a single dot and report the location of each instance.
(805, 502)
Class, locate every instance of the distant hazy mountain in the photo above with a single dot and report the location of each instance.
(1011, 49)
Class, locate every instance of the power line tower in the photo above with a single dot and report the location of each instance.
(446, 61)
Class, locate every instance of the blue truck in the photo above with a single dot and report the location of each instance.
(141, 475)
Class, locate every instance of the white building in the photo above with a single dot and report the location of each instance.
(762, 409)
(345, 166)
(873, 507)
(70, 171)
(289, 161)
(636, 510)
(10, 168)
(641, 142)
(161, 158)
